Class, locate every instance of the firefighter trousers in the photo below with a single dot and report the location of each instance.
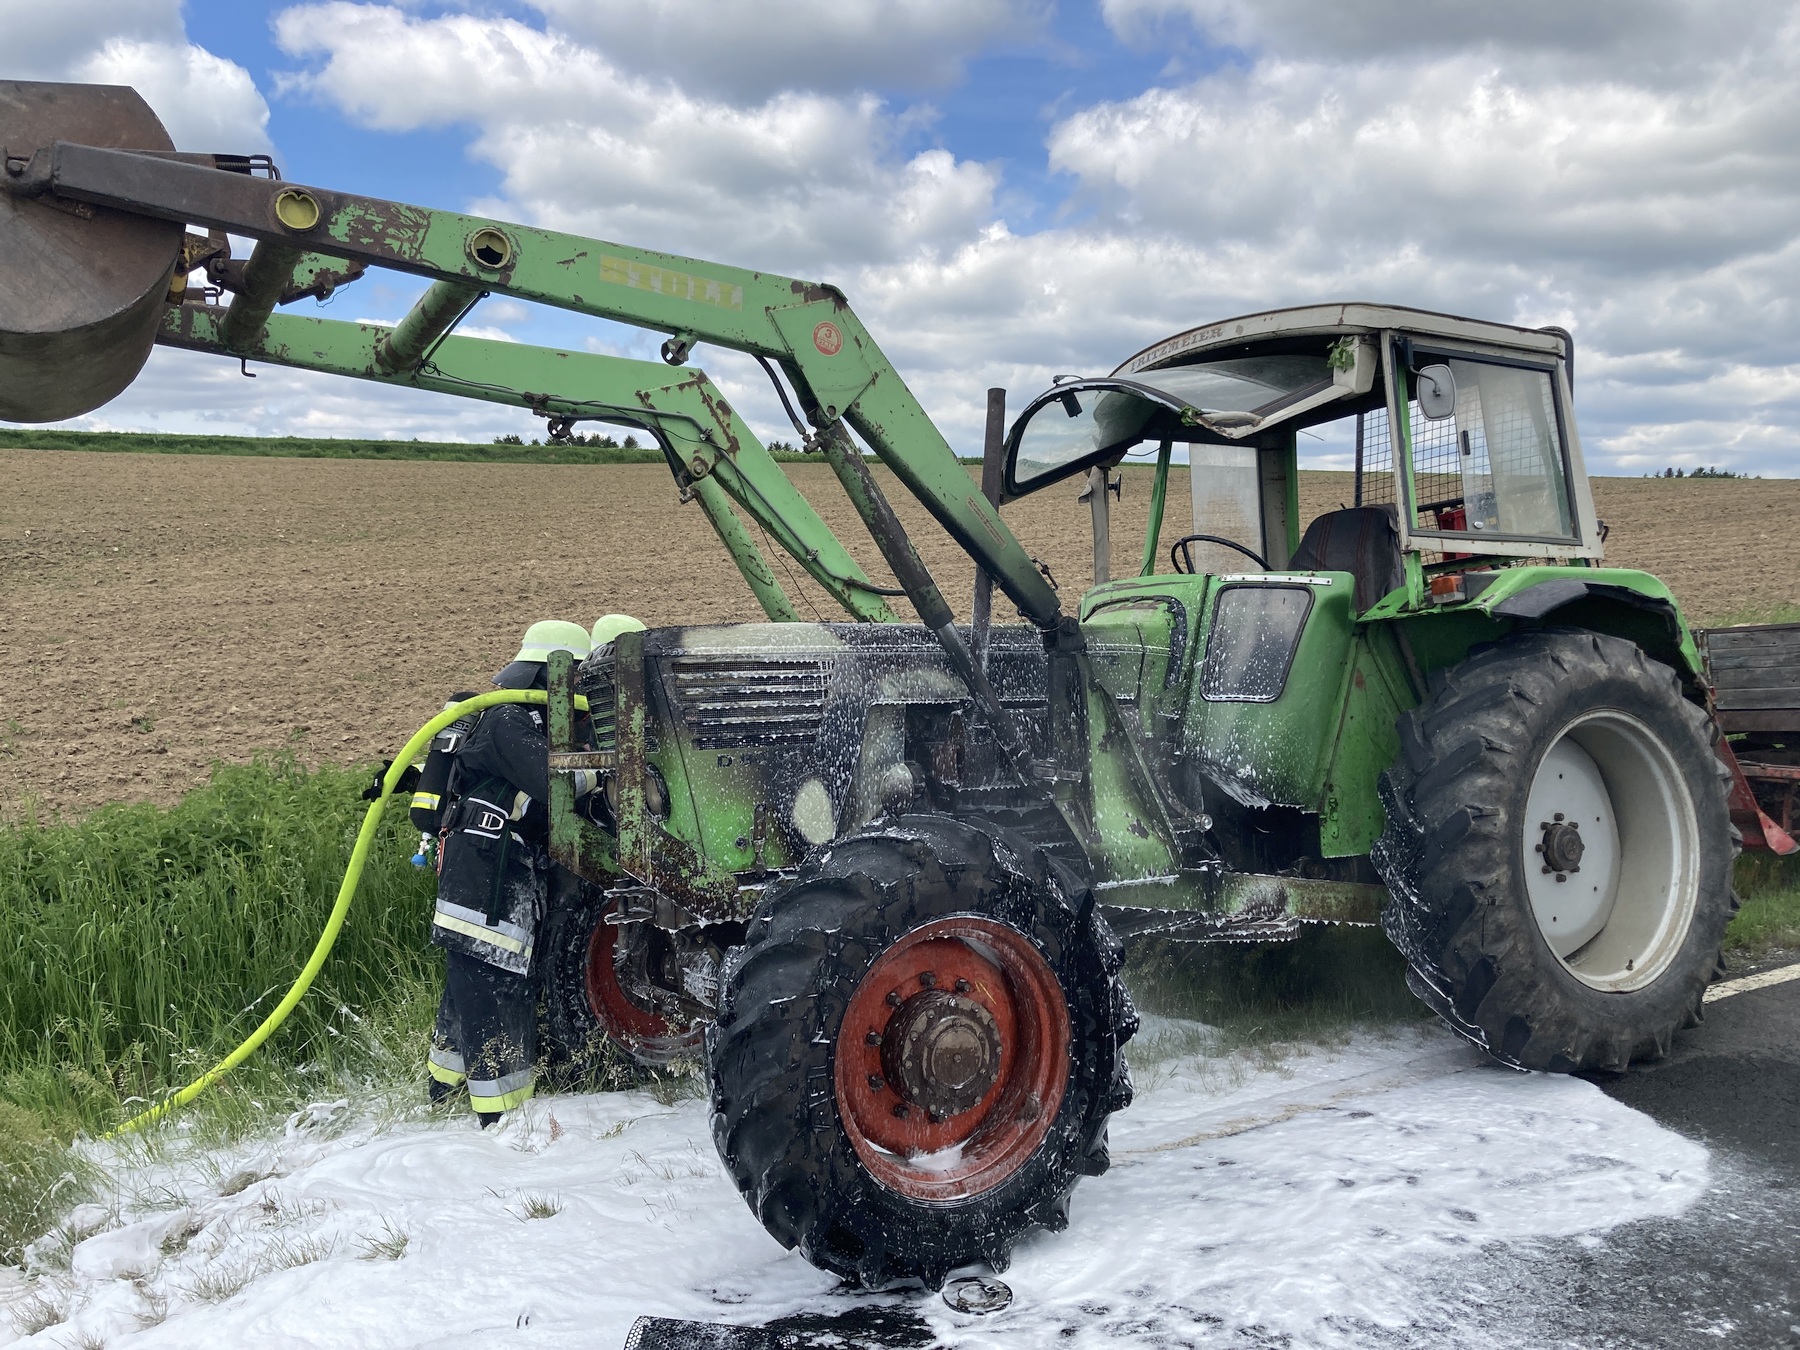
(486, 1034)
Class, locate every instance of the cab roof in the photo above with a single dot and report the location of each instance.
(1343, 317)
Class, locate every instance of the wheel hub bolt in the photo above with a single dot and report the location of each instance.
(894, 999)
(942, 1053)
(876, 1084)
(961, 986)
(928, 979)
(872, 1038)
(1562, 846)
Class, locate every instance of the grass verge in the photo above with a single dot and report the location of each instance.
(1773, 612)
(1770, 917)
(308, 447)
(311, 447)
(141, 944)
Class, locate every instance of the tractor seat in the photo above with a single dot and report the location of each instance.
(1361, 540)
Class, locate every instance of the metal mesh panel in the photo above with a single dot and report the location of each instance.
(1375, 467)
(1437, 468)
(1494, 466)
(1510, 450)
(1374, 459)
(667, 1333)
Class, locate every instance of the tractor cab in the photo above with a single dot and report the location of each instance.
(1458, 433)
(1246, 643)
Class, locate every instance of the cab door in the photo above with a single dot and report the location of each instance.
(1269, 667)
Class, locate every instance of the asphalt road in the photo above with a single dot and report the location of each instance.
(1725, 1273)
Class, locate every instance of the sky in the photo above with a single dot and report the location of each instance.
(1009, 190)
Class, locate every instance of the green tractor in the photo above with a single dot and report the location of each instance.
(879, 873)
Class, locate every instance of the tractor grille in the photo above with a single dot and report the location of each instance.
(727, 702)
(596, 680)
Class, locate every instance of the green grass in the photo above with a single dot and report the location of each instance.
(1770, 917)
(1768, 612)
(306, 447)
(309, 447)
(139, 945)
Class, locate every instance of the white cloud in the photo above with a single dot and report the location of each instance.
(192, 393)
(1626, 35)
(46, 41)
(1628, 173)
(1626, 170)
(801, 180)
(745, 52)
(1451, 156)
(205, 101)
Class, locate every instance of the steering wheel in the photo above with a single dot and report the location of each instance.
(1181, 551)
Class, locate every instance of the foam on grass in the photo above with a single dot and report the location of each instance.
(140, 944)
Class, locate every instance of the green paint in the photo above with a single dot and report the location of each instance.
(589, 851)
(1365, 742)
(1159, 491)
(743, 550)
(1279, 749)
(1136, 837)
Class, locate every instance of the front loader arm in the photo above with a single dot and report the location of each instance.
(705, 436)
(809, 329)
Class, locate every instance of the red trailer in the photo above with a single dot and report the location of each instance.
(1754, 672)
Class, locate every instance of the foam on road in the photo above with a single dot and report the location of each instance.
(1330, 1198)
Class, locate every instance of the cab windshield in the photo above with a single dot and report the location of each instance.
(1086, 421)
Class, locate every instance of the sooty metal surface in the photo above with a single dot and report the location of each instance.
(84, 284)
(869, 1327)
(727, 702)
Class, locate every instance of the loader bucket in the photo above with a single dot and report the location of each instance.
(84, 284)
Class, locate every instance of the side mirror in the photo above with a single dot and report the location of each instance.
(1436, 392)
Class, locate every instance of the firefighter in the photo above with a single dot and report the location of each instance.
(492, 891)
(608, 627)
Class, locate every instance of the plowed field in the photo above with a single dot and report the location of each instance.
(163, 611)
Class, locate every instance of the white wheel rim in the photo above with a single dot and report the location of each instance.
(1617, 915)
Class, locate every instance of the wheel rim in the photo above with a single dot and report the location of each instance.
(1611, 852)
(648, 1035)
(952, 1059)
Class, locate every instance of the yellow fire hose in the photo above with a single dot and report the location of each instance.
(346, 893)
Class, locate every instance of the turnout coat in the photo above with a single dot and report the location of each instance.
(494, 861)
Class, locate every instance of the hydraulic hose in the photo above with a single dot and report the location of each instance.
(340, 910)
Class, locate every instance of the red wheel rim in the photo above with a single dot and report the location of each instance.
(1007, 990)
(645, 1033)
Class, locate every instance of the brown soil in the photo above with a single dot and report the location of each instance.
(165, 611)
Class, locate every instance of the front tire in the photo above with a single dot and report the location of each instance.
(587, 1009)
(1559, 852)
(917, 1051)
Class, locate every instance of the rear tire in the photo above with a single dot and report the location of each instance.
(1559, 852)
(917, 1051)
(586, 1009)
